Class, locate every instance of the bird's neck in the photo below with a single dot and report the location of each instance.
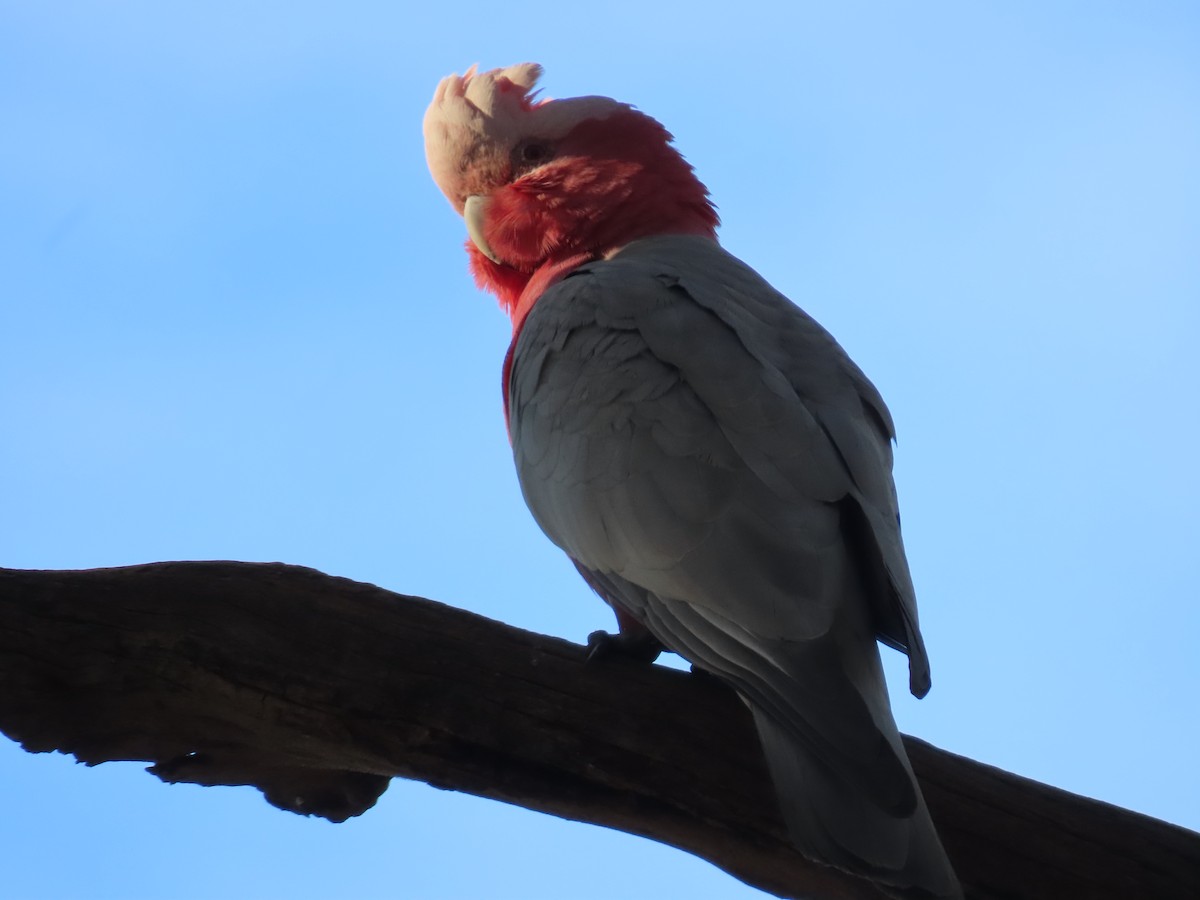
(616, 180)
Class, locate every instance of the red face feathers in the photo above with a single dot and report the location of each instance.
(546, 185)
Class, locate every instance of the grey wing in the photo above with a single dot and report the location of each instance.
(716, 386)
(721, 471)
(854, 420)
(647, 442)
(663, 456)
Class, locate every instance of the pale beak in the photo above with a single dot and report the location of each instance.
(474, 212)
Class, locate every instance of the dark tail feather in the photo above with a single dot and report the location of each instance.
(833, 823)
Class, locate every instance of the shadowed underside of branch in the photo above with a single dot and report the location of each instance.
(319, 690)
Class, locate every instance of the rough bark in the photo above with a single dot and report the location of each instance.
(318, 690)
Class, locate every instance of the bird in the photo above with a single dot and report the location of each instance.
(711, 460)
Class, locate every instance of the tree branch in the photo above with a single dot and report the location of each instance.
(318, 690)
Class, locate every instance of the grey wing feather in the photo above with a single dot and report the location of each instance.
(805, 420)
(722, 471)
(852, 415)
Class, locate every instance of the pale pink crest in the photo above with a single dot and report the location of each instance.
(476, 119)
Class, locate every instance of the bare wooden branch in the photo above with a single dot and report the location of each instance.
(318, 690)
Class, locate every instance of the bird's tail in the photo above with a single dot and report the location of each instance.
(841, 824)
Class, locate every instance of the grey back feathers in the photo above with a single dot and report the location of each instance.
(722, 470)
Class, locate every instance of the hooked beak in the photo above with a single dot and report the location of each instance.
(474, 212)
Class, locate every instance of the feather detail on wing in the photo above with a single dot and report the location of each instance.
(721, 471)
(692, 356)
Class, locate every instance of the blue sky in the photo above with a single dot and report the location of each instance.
(235, 323)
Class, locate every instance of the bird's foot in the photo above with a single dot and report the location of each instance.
(638, 647)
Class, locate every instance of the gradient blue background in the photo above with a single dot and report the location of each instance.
(235, 323)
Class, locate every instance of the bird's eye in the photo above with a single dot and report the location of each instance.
(534, 153)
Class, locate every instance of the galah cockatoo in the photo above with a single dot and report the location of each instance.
(711, 460)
